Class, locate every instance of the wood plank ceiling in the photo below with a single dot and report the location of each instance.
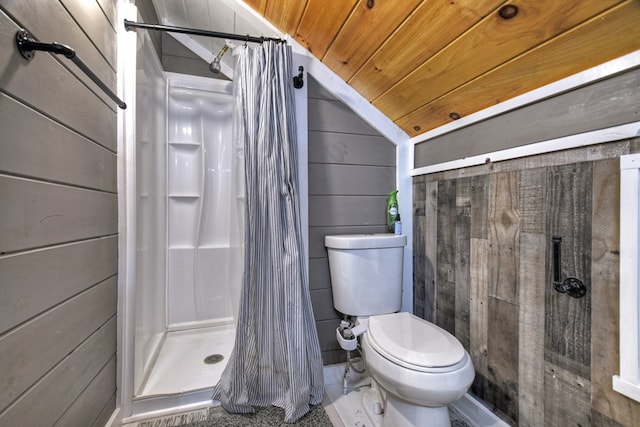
(424, 63)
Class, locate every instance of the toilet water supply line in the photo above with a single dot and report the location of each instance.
(350, 333)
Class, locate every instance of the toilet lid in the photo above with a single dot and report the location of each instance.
(413, 342)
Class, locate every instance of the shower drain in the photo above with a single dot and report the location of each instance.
(214, 358)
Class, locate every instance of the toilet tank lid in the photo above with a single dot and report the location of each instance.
(365, 241)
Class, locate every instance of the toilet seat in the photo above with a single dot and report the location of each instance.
(414, 343)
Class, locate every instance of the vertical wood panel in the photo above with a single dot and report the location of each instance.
(504, 222)
(568, 325)
(430, 249)
(462, 255)
(419, 200)
(567, 397)
(502, 357)
(605, 277)
(480, 207)
(531, 328)
(445, 264)
(479, 305)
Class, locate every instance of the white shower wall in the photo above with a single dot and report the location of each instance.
(151, 211)
(204, 271)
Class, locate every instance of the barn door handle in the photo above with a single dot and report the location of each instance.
(572, 286)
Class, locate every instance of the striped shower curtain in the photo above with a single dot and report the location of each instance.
(276, 357)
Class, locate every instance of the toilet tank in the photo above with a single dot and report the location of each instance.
(366, 272)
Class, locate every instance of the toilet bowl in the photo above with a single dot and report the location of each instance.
(419, 367)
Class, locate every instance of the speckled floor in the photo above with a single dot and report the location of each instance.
(216, 416)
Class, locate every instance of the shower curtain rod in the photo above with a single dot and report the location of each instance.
(131, 25)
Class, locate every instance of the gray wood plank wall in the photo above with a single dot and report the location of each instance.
(351, 171)
(541, 357)
(58, 204)
(606, 103)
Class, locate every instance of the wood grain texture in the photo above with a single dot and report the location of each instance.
(334, 116)
(37, 214)
(32, 350)
(347, 210)
(32, 282)
(55, 23)
(533, 201)
(462, 260)
(350, 180)
(531, 329)
(498, 39)
(350, 149)
(480, 207)
(319, 24)
(109, 7)
(356, 41)
(91, 18)
(419, 257)
(37, 147)
(430, 250)
(504, 222)
(284, 14)
(568, 324)
(43, 403)
(502, 357)
(479, 305)
(46, 85)
(567, 397)
(445, 257)
(607, 150)
(439, 22)
(605, 276)
(90, 403)
(600, 39)
(602, 104)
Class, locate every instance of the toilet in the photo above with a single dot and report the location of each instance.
(417, 367)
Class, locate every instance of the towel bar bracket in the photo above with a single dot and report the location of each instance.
(27, 46)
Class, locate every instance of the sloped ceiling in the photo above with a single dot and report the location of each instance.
(425, 63)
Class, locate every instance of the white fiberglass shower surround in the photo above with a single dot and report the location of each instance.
(203, 268)
(182, 207)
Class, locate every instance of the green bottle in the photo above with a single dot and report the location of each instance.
(392, 211)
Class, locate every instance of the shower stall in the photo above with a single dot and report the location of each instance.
(181, 208)
(185, 204)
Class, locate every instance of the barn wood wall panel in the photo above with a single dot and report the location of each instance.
(351, 172)
(541, 357)
(58, 256)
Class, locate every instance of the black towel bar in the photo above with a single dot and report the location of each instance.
(27, 45)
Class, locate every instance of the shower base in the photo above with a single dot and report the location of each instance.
(181, 367)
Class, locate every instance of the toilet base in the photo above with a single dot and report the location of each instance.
(399, 413)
